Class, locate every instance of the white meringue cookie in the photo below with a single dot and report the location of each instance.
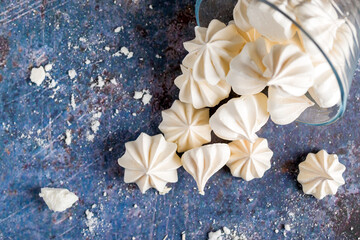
(240, 118)
(186, 126)
(260, 65)
(249, 160)
(288, 68)
(321, 174)
(212, 50)
(205, 161)
(240, 15)
(325, 91)
(284, 108)
(247, 69)
(270, 22)
(200, 93)
(320, 20)
(150, 161)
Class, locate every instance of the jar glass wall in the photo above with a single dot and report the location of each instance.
(329, 30)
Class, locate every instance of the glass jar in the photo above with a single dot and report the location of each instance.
(335, 45)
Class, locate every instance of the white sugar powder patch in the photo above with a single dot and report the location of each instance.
(91, 221)
(37, 75)
(72, 73)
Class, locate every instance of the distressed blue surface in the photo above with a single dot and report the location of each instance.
(34, 119)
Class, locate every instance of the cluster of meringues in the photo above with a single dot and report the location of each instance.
(247, 56)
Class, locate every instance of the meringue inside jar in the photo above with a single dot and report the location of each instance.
(327, 30)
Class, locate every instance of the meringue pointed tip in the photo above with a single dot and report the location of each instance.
(201, 192)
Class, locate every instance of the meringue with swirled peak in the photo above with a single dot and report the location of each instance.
(205, 161)
(249, 160)
(321, 174)
(212, 50)
(150, 162)
(200, 93)
(270, 22)
(186, 126)
(240, 118)
(260, 65)
(320, 20)
(284, 108)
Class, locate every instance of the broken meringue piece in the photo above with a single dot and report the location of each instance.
(186, 126)
(200, 93)
(321, 174)
(249, 160)
(150, 161)
(270, 22)
(240, 118)
(284, 108)
(205, 161)
(212, 50)
(58, 199)
(240, 15)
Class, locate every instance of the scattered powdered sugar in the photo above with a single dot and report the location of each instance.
(72, 73)
(225, 234)
(90, 137)
(37, 75)
(68, 137)
(95, 124)
(72, 101)
(287, 227)
(124, 51)
(91, 221)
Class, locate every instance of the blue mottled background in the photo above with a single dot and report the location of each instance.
(74, 34)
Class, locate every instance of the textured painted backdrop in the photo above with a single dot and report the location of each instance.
(80, 35)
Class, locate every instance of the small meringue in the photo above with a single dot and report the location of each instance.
(249, 160)
(240, 118)
(284, 108)
(200, 93)
(186, 126)
(212, 50)
(150, 161)
(205, 161)
(321, 174)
